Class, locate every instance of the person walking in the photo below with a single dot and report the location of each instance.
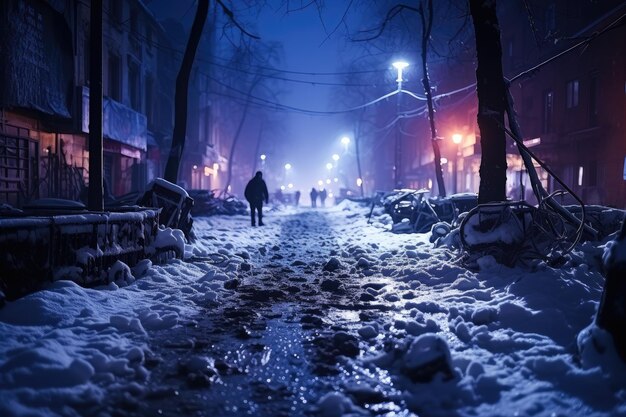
(255, 193)
(323, 197)
(297, 198)
(313, 195)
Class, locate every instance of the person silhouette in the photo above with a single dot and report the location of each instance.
(323, 197)
(313, 195)
(255, 193)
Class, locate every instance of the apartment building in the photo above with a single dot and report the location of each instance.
(44, 101)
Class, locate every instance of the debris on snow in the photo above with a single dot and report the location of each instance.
(332, 265)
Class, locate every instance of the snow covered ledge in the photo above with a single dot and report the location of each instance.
(85, 247)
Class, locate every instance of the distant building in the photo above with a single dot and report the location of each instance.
(44, 101)
(571, 111)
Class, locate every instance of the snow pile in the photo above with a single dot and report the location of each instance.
(407, 328)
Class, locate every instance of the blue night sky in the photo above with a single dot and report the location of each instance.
(309, 49)
(309, 141)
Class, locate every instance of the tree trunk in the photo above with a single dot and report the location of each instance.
(426, 29)
(491, 101)
(181, 94)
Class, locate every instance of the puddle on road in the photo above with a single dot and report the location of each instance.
(268, 375)
(276, 372)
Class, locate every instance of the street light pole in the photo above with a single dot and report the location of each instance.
(96, 182)
(397, 169)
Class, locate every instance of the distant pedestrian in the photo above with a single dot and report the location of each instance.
(278, 196)
(255, 193)
(313, 195)
(297, 198)
(323, 197)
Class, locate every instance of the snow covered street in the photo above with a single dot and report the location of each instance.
(315, 313)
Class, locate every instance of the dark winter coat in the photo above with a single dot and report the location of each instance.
(256, 190)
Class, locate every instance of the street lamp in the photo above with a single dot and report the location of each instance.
(345, 141)
(335, 157)
(457, 138)
(287, 167)
(397, 169)
(263, 157)
(400, 66)
(329, 166)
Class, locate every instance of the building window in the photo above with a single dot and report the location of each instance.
(593, 100)
(134, 21)
(134, 35)
(133, 85)
(149, 104)
(115, 77)
(87, 59)
(116, 11)
(572, 94)
(548, 108)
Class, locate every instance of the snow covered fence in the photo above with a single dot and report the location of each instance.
(81, 247)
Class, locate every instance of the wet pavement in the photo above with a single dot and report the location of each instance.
(285, 335)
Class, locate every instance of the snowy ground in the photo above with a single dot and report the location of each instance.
(316, 313)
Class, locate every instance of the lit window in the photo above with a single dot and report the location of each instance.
(580, 176)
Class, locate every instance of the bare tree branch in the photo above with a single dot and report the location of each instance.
(393, 12)
(342, 20)
(231, 16)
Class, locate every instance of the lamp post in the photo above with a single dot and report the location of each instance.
(400, 66)
(397, 169)
(457, 138)
(345, 141)
(287, 170)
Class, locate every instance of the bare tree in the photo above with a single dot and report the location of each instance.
(182, 91)
(427, 24)
(491, 101)
(182, 84)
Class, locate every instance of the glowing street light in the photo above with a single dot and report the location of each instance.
(457, 138)
(263, 156)
(397, 169)
(335, 157)
(290, 185)
(359, 182)
(320, 183)
(329, 166)
(400, 65)
(287, 166)
(282, 187)
(345, 141)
